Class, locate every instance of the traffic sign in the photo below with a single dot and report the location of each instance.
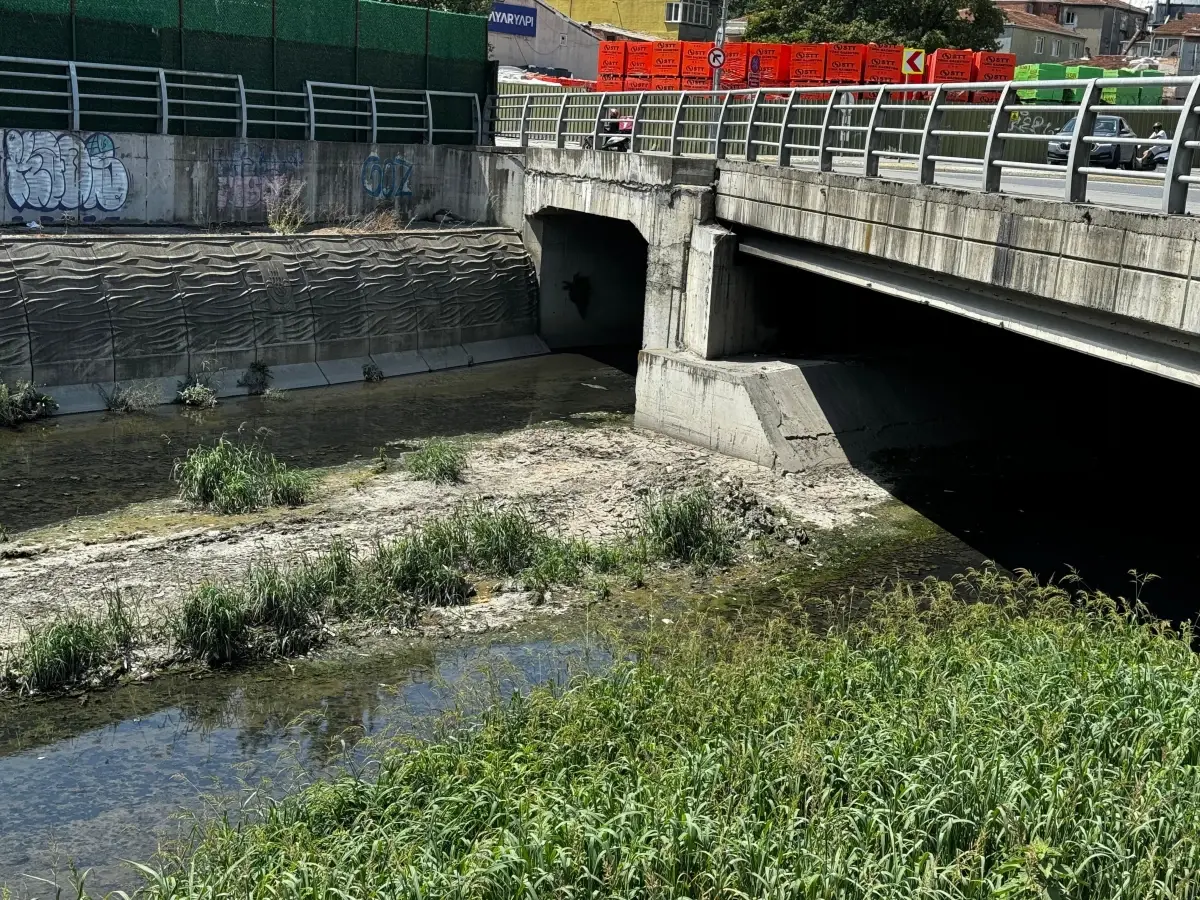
(913, 62)
(716, 57)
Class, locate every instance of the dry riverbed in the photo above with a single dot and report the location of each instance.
(586, 479)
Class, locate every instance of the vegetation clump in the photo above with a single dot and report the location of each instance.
(257, 377)
(439, 461)
(137, 397)
(24, 403)
(199, 390)
(372, 373)
(1021, 743)
(237, 478)
(688, 527)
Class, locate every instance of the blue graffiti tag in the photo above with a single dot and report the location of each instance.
(385, 179)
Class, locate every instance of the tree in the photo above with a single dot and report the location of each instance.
(473, 7)
(931, 24)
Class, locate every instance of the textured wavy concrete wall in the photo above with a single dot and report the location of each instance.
(128, 179)
(81, 312)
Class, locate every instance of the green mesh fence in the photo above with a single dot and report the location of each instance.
(344, 41)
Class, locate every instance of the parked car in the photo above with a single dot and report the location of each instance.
(1109, 155)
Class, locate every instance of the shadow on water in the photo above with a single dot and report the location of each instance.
(95, 785)
(88, 464)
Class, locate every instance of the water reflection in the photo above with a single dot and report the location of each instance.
(112, 784)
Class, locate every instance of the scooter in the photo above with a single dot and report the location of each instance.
(615, 133)
(1158, 158)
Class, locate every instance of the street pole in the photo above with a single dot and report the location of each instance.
(716, 85)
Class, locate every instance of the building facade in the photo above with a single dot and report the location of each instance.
(683, 20)
(1033, 39)
(1175, 42)
(531, 33)
(1104, 27)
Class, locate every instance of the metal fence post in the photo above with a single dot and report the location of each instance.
(74, 75)
(477, 116)
(1187, 130)
(994, 150)
(783, 153)
(750, 151)
(524, 132)
(871, 144)
(1080, 153)
(719, 149)
(599, 117)
(428, 118)
(824, 156)
(637, 114)
(677, 124)
(243, 108)
(312, 111)
(164, 113)
(374, 115)
(560, 135)
(930, 143)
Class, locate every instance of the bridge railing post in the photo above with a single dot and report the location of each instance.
(637, 114)
(73, 74)
(994, 149)
(871, 144)
(599, 118)
(677, 124)
(824, 154)
(524, 132)
(374, 115)
(719, 146)
(560, 126)
(1183, 153)
(930, 142)
(784, 152)
(244, 125)
(750, 150)
(1080, 153)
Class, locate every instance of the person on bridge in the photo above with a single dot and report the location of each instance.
(1156, 133)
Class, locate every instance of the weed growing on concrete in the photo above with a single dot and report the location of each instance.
(236, 478)
(439, 461)
(286, 213)
(24, 403)
(275, 395)
(687, 527)
(135, 397)
(4, 535)
(199, 390)
(257, 377)
(372, 374)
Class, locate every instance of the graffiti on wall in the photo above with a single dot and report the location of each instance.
(47, 171)
(386, 179)
(250, 174)
(1033, 122)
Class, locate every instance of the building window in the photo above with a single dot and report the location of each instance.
(1074, 49)
(1158, 46)
(690, 12)
(1069, 17)
(1056, 48)
(1039, 46)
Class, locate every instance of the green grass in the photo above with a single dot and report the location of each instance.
(24, 403)
(135, 397)
(1023, 745)
(439, 461)
(213, 624)
(65, 651)
(687, 527)
(236, 478)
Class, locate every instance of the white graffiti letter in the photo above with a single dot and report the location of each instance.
(47, 171)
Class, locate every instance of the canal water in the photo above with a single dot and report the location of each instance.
(91, 783)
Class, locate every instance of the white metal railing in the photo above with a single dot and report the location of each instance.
(80, 96)
(973, 125)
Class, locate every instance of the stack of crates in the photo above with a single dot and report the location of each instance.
(1040, 72)
(637, 65)
(666, 62)
(1121, 96)
(695, 73)
(1081, 73)
(610, 66)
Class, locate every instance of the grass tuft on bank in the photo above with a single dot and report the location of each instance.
(1021, 742)
(237, 478)
(439, 461)
(24, 403)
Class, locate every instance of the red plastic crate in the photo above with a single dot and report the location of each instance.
(881, 64)
(610, 83)
(695, 60)
(734, 70)
(637, 82)
(991, 66)
(695, 83)
(637, 57)
(768, 64)
(611, 59)
(806, 64)
(664, 82)
(666, 58)
(844, 63)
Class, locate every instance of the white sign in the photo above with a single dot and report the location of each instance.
(913, 62)
(716, 57)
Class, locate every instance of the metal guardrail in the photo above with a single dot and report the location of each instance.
(921, 125)
(80, 96)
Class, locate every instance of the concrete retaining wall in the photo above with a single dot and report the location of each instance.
(75, 313)
(129, 179)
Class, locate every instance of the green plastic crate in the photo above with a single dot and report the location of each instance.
(1082, 73)
(1151, 95)
(1121, 96)
(1040, 72)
